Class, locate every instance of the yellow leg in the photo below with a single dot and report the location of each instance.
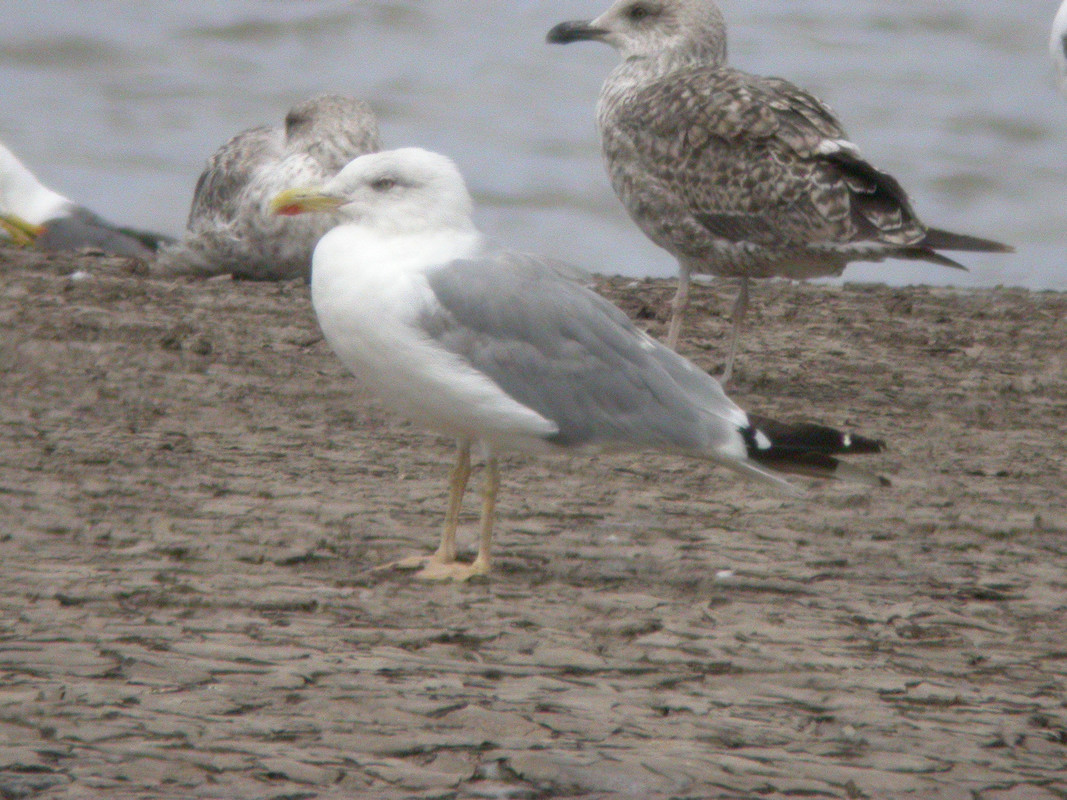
(457, 486)
(21, 232)
(461, 572)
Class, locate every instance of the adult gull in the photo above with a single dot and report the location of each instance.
(31, 214)
(509, 351)
(735, 174)
(230, 229)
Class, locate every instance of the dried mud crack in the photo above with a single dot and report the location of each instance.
(192, 492)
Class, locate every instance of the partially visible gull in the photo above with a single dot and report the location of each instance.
(735, 174)
(509, 351)
(229, 228)
(31, 214)
(1058, 46)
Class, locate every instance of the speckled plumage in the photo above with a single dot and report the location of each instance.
(737, 174)
(230, 229)
(746, 176)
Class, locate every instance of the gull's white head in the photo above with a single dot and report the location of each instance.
(1058, 46)
(396, 191)
(689, 30)
(25, 196)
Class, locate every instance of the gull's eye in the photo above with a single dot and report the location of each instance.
(638, 12)
(383, 184)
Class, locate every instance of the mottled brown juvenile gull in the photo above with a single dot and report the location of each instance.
(230, 229)
(31, 214)
(734, 174)
(1058, 46)
(511, 351)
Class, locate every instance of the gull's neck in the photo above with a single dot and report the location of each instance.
(638, 70)
(360, 253)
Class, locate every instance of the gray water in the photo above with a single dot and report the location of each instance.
(117, 103)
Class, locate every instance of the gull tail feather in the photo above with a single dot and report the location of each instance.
(937, 239)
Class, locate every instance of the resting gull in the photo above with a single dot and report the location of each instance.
(229, 228)
(33, 214)
(735, 174)
(510, 351)
(1058, 46)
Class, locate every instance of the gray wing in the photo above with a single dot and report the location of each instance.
(83, 228)
(229, 170)
(559, 348)
(748, 159)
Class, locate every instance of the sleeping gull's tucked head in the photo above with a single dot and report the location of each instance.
(396, 191)
(686, 29)
(331, 128)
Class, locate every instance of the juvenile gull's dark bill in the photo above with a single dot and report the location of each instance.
(230, 229)
(32, 215)
(509, 351)
(735, 174)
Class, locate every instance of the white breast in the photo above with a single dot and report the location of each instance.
(370, 295)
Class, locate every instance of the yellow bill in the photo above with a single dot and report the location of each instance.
(304, 200)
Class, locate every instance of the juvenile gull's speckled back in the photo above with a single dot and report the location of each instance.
(737, 174)
(229, 227)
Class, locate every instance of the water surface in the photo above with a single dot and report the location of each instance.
(117, 104)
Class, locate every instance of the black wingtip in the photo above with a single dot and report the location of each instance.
(808, 436)
(809, 449)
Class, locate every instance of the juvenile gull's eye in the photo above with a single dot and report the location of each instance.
(638, 12)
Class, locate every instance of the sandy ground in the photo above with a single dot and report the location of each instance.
(192, 492)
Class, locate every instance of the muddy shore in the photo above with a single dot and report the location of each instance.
(192, 492)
